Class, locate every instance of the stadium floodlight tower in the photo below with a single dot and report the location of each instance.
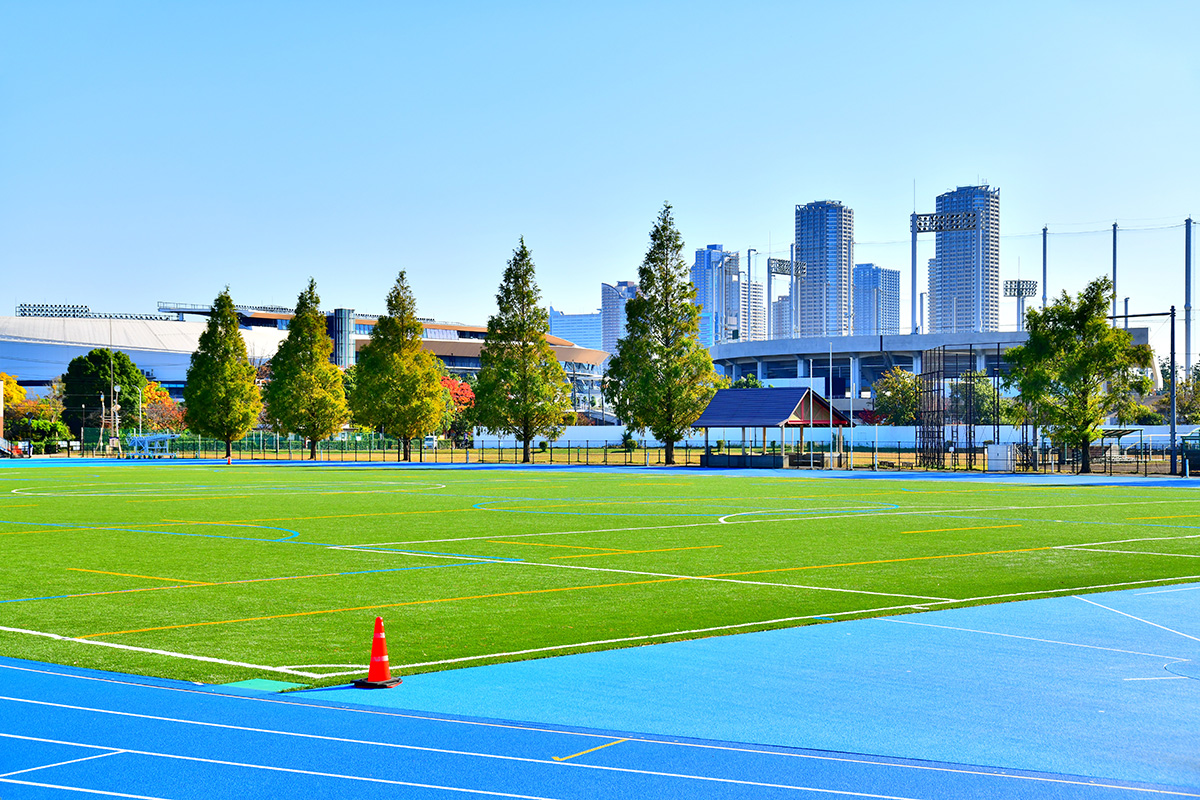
(1020, 289)
(945, 222)
(794, 272)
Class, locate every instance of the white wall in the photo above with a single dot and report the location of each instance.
(862, 436)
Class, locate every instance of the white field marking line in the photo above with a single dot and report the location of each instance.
(901, 621)
(853, 510)
(790, 519)
(1164, 678)
(79, 789)
(173, 654)
(290, 770)
(61, 763)
(1130, 541)
(394, 552)
(1125, 552)
(731, 580)
(534, 729)
(1139, 619)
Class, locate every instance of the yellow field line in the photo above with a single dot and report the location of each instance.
(633, 552)
(147, 577)
(23, 505)
(46, 530)
(975, 528)
(1173, 516)
(382, 605)
(585, 752)
(548, 591)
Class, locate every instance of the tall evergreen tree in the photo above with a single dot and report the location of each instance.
(398, 386)
(221, 398)
(306, 395)
(1075, 368)
(522, 388)
(661, 378)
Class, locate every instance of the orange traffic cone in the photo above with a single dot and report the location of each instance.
(379, 675)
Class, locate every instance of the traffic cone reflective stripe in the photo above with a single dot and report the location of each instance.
(379, 673)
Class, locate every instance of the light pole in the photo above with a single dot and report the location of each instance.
(82, 428)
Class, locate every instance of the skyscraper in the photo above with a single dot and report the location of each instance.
(612, 312)
(964, 277)
(876, 300)
(825, 245)
(718, 294)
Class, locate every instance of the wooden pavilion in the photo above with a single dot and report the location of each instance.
(791, 410)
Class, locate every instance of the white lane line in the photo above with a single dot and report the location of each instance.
(1139, 619)
(319, 774)
(534, 729)
(577, 765)
(1032, 639)
(61, 763)
(188, 656)
(79, 789)
(269, 768)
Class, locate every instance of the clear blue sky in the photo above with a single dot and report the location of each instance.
(159, 151)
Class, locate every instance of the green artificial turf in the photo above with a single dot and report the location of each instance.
(286, 567)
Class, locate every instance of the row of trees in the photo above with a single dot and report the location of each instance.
(1074, 371)
(659, 379)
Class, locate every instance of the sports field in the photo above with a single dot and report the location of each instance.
(212, 573)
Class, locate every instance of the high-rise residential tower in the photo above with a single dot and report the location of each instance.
(612, 312)
(754, 311)
(964, 277)
(876, 300)
(825, 245)
(717, 279)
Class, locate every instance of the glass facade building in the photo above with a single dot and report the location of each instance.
(581, 329)
(717, 279)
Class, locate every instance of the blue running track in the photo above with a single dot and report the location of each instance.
(1077, 697)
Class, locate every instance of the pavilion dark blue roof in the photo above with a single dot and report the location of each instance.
(767, 408)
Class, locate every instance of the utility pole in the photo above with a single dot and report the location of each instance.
(1187, 296)
(1044, 231)
(1114, 286)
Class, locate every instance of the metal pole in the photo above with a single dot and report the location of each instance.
(1187, 296)
(1114, 286)
(1126, 313)
(1044, 231)
(1174, 450)
(913, 228)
